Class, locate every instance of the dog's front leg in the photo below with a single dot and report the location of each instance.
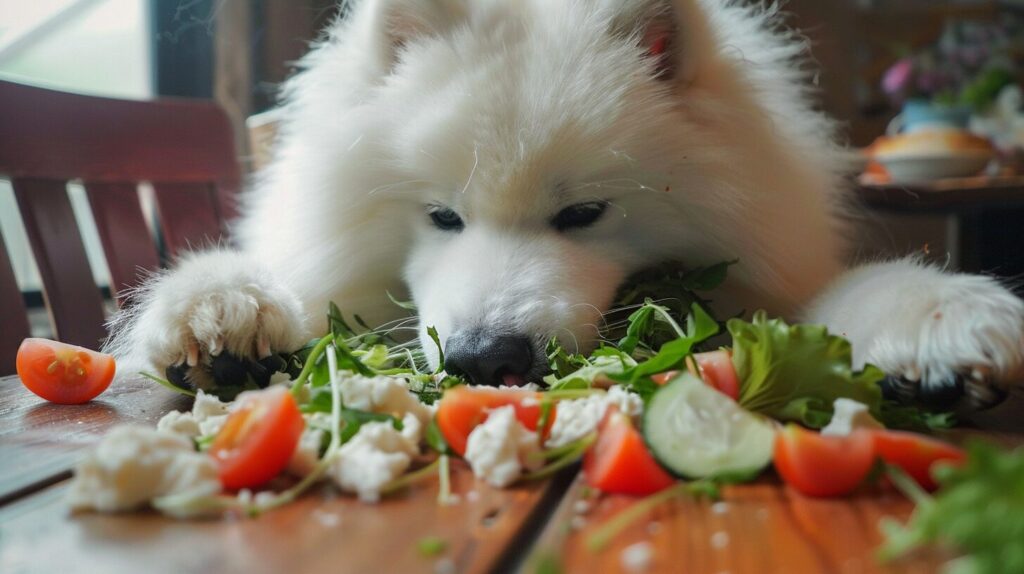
(210, 302)
(942, 336)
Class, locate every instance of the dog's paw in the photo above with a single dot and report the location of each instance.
(958, 341)
(208, 318)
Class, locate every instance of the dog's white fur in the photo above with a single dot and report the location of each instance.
(507, 111)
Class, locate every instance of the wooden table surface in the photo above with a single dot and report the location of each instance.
(758, 528)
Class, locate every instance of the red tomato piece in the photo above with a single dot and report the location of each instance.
(62, 373)
(823, 466)
(462, 408)
(619, 462)
(715, 369)
(258, 439)
(916, 454)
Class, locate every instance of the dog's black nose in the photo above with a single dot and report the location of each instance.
(487, 359)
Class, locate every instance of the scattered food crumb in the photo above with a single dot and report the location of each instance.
(720, 540)
(720, 507)
(472, 496)
(431, 546)
(637, 557)
(444, 566)
(452, 500)
(581, 507)
(578, 522)
(653, 528)
(328, 519)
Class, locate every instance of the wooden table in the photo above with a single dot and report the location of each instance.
(759, 528)
(988, 213)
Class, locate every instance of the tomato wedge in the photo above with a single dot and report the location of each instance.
(916, 454)
(62, 373)
(258, 439)
(462, 408)
(619, 462)
(716, 370)
(823, 466)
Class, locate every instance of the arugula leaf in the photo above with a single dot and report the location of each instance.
(700, 326)
(795, 373)
(979, 510)
(407, 305)
(603, 363)
(440, 351)
(352, 419)
(435, 439)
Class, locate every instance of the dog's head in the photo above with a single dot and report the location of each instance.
(535, 153)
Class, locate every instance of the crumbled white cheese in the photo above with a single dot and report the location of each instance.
(206, 418)
(375, 456)
(847, 416)
(412, 430)
(501, 447)
(307, 452)
(577, 418)
(177, 422)
(637, 557)
(382, 394)
(133, 465)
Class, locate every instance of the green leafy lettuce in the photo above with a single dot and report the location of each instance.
(796, 372)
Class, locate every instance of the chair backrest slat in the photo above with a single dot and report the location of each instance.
(126, 239)
(13, 319)
(187, 215)
(49, 137)
(74, 300)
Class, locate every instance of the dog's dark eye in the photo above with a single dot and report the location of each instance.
(446, 219)
(579, 215)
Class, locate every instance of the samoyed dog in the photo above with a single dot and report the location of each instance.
(507, 163)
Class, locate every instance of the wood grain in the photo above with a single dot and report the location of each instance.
(13, 318)
(41, 441)
(756, 528)
(322, 532)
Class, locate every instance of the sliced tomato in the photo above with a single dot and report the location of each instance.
(258, 439)
(715, 369)
(63, 373)
(915, 454)
(823, 466)
(462, 408)
(619, 462)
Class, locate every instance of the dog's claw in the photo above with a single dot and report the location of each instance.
(216, 346)
(177, 375)
(192, 356)
(262, 347)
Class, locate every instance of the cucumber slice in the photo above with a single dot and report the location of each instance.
(695, 431)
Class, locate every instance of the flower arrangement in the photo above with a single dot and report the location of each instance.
(968, 66)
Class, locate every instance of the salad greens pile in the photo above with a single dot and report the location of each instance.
(978, 510)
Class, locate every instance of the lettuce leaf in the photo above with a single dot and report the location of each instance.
(795, 373)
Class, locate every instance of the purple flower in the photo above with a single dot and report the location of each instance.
(898, 78)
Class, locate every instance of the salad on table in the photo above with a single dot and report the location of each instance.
(676, 403)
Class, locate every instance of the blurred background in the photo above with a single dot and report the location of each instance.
(921, 85)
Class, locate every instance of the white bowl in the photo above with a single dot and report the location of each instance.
(911, 167)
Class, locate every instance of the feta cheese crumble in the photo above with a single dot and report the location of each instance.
(577, 418)
(637, 557)
(375, 456)
(206, 417)
(501, 447)
(132, 465)
(382, 394)
(847, 416)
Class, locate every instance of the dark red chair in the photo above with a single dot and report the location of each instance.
(185, 149)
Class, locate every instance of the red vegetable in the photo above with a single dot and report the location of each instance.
(258, 439)
(63, 373)
(619, 462)
(916, 454)
(462, 408)
(716, 370)
(823, 466)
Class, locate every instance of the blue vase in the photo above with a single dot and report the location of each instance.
(919, 114)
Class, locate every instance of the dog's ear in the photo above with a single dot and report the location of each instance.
(395, 23)
(672, 32)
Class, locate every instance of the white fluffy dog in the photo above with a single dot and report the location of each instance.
(508, 163)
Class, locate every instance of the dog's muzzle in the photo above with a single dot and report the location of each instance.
(488, 359)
